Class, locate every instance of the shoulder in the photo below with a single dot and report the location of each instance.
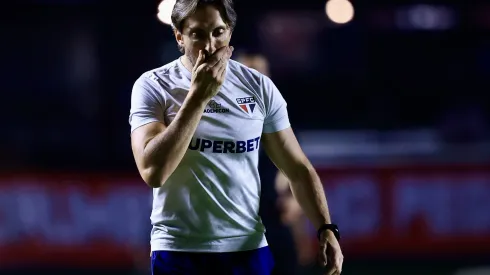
(246, 74)
(158, 77)
(261, 85)
(151, 86)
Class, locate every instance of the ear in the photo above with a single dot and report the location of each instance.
(179, 38)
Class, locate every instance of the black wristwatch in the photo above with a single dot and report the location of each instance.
(332, 227)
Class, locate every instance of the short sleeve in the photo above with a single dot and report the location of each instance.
(147, 104)
(276, 118)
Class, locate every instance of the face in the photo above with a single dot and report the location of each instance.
(204, 30)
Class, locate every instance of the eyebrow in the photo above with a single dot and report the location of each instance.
(196, 28)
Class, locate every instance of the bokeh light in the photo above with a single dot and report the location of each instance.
(339, 11)
(165, 11)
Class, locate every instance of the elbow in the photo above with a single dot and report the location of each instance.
(153, 178)
(153, 184)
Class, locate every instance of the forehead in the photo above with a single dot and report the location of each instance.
(205, 17)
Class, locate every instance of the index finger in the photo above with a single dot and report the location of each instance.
(218, 55)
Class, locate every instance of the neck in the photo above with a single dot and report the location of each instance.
(186, 62)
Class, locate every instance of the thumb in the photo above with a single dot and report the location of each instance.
(200, 60)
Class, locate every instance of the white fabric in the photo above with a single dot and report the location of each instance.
(211, 202)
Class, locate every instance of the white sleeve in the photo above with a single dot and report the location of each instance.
(147, 103)
(276, 118)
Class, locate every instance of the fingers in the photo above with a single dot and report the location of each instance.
(220, 54)
(333, 253)
(215, 58)
(213, 67)
(221, 72)
(330, 270)
(322, 257)
(335, 265)
(223, 65)
(339, 261)
(200, 60)
(333, 271)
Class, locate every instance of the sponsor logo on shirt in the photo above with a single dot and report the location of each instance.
(247, 104)
(224, 146)
(215, 107)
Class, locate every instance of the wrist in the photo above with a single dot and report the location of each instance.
(196, 100)
(328, 234)
(328, 231)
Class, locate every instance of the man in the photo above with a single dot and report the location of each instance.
(196, 125)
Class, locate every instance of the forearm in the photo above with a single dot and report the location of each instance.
(164, 152)
(308, 191)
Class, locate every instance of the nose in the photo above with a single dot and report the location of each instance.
(210, 46)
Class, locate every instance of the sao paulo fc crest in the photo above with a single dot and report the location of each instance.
(247, 104)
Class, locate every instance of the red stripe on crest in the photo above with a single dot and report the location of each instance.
(244, 107)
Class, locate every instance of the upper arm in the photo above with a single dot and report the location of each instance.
(276, 114)
(140, 138)
(278, 138)
(284, 150)
(146, 116)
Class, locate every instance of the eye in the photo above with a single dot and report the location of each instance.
(196, 35)
(219, 32)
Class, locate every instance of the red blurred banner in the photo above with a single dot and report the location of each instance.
(103, 220)
(411, 210)
(73, 220)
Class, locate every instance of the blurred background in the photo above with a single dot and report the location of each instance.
(388, 99)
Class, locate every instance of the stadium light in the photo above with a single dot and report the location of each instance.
(165, 11)
(339, 11)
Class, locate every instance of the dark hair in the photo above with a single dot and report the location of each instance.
(183, 9)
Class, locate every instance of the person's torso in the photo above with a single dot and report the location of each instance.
(215, 190)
